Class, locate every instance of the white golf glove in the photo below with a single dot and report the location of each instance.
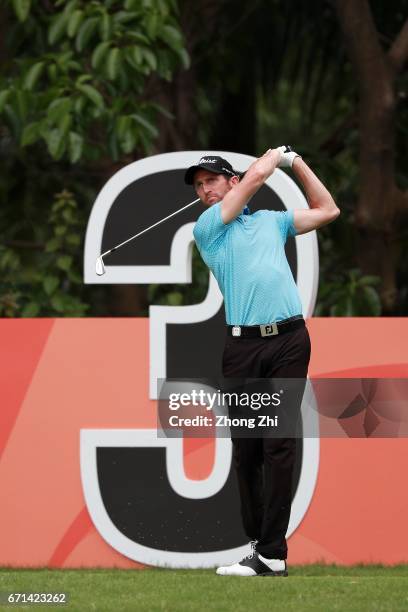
(287, 156)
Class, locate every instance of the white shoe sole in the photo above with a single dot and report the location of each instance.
(225, 571)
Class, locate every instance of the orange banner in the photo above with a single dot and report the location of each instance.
(58, 377)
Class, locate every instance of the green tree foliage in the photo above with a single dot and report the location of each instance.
(48, 283)
(77, 101)
(349, 294)
(78, 87)
(80, 72)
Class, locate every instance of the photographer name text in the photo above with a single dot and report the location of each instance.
(221, 420)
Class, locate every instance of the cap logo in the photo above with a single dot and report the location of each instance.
(208, 160)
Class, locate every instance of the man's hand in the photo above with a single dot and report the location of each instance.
(267, 163)
(287, 156)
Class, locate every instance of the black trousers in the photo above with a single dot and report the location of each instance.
(264, 466)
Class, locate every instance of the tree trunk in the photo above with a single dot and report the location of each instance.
(235, 125)
(380, 202)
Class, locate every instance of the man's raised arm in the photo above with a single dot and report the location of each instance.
(322, 209)
(236, 199)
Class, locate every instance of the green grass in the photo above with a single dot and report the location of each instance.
(316, 588)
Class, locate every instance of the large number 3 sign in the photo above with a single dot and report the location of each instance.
(136, 489)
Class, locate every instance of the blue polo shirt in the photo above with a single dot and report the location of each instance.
(247, 257)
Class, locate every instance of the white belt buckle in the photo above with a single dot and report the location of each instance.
(236, 330)
(269, 330)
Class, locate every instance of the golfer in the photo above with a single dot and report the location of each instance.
(266, 333)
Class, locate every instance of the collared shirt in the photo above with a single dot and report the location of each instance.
(247, 257)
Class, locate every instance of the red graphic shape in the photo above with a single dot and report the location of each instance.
(21, 346)
(75, 533)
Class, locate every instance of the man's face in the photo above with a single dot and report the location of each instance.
(211, 187)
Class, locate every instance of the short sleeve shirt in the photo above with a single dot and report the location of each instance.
(247, 257)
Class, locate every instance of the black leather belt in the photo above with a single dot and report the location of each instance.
(266, 331)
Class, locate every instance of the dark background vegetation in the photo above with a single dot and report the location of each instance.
(88, 86)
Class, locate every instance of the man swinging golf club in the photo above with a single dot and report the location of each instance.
(266, 333)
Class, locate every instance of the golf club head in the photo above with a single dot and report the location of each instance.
(99, 267)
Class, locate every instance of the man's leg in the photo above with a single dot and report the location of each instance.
(241, 359)
(282, 356)
(248, 463)
(287, 359)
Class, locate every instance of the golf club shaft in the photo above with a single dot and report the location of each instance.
(151, 227)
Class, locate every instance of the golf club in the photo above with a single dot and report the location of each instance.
(100, 267)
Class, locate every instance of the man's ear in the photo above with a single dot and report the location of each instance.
(234, 180)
